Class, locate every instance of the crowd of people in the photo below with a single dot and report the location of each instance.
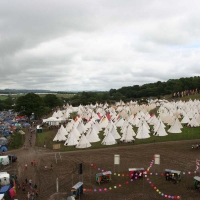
(186, 93)
(32, 189)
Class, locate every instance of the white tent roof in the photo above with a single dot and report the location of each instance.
(109, 139)
(175, 128)
(59, 136)
(160, 131)
(142, 132)
(83, 143)
(92, 136)
(71, 140)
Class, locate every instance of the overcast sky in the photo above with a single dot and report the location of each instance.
(64, 45)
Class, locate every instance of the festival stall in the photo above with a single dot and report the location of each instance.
(77, 189)
(135, 173)
(197, 182)
(103, 177)
(173, 175)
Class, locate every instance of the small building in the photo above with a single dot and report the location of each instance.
(173, 175)
(4, 178)
(77, 190)
(103, 177)
(135, 173)
(197, 182)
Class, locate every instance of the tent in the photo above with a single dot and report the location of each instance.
(71, 140)
(3, 149)
(83, 143)
(109, 139)
(143, 132)
(175, 128)
(3, 141)
(59, 136)
(5, 189)
(92, 135)
(160, 131)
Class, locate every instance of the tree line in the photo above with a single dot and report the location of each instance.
(136, 92)
(31, 104)
(40, 106)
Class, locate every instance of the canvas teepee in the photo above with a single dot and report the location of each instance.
(109, 139)
(83, 143)
(59, 136)
(71, 140)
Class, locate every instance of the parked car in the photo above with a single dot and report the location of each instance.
(13, 157)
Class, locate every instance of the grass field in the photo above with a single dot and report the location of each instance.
(2, 97)
(46, 137)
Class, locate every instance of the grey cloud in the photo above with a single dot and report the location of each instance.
(97, 45)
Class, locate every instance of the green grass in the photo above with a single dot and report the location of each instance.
(2, 97)
(185, 98)
(17, 141)
(187, 134)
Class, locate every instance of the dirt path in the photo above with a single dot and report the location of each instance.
(174, 155)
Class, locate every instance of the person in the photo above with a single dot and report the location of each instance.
(31, 195)
(25, 166)
(45, 167)
(35, 186)
(30, 182)
(26, 181)
(36, 193)
(34, 162)
(23, 189)
(28, 196)
(51, 166)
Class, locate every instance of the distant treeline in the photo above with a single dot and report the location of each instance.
(159, 88)
(136, 92)
(173, 88)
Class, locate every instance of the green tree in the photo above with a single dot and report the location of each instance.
(51, 101)
(29, 104)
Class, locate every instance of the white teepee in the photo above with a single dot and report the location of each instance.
(83, 143)
(71, 140)
(59, 136)
(92, 136)
(109, 139)
(143, 132)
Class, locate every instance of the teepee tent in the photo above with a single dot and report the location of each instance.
(185, 119)
(63, 130)
(103, 122)
(160, 131)
(109, 139)
(71, 140)
(92, 136)
(193, 122)
(59, 136)
(83, 143)
(128, 134)
(175, 128)
(143, 132)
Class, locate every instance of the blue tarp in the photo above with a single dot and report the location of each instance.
(5, 188)
(3, 149)
(6, 133)
(25, 124)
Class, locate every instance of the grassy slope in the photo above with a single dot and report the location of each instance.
(187, 134)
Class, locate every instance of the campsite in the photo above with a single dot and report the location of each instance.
(58, 148)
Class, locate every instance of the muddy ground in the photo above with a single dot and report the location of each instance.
(173, 155)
